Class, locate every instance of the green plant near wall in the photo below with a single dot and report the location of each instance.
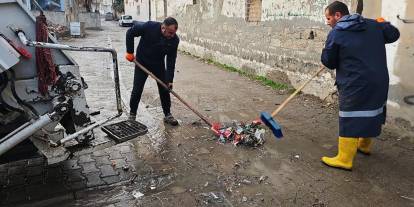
(261, 79)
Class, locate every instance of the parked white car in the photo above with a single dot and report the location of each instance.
(125, 20)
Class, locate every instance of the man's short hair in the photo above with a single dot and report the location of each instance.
(337, 6)
(170, 21)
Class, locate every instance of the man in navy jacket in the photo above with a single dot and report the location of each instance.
(355, 47)
(158, 40)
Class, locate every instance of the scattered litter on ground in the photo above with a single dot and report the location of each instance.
(133, 178)
(297, 156)
(244, 199)
(205, 185)
(318, 203)
(125, 167)
(242, 134)
(153, 184)
(247, 182)
(408, 198)
(213, 197)
(137, 194)
(262, 178)
(197, 123)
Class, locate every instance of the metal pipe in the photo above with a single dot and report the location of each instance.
(15, 131)
(407, 21)
(23, 134)
(37, 5)
(84, 130)
(113, 52)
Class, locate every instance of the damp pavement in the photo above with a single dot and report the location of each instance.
(185, 166)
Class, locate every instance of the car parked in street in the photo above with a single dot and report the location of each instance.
(125, 20)
(109, 16)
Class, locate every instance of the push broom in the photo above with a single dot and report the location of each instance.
(268, 119)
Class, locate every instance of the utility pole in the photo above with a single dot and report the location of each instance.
(165, 9)
(149, 10)
(357, 6)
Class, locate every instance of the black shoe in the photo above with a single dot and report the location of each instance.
(169, 119)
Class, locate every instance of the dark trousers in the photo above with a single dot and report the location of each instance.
(139, 81)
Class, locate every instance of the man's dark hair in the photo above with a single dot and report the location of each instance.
(170, 21)
(337, 6)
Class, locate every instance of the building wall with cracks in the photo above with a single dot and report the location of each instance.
(283, 39)
(265, 37)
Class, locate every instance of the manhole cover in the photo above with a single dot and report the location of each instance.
(125, 130)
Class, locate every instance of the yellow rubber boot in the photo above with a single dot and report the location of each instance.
(364, 145)
(347, 148)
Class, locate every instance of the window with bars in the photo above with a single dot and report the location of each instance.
(253, 10)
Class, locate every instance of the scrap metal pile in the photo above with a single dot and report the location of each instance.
(251, 134)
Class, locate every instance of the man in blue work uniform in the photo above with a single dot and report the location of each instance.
(158, 40)
(355, 47)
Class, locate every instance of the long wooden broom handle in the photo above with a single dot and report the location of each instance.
(281, 106)
(171, 91)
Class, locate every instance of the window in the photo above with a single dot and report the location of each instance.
(253, 10)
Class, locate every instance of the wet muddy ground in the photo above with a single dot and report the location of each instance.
(185, 166)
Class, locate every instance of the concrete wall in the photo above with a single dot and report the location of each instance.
(55, 17)
(283, 9)
(139, 9)
(105, 6)
(92, 20)
(278, 47)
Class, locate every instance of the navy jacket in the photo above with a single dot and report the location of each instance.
(355, 47)
(153, 47)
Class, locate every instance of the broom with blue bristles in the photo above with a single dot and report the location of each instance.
(269, 120)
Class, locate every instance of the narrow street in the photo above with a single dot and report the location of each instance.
(185, 166)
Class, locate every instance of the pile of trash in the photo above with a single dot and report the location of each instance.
(251, 134)
(58, 30)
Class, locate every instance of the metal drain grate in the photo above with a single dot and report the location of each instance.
(125, 130)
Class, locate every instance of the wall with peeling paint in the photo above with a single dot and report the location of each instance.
(139, 9)
(283, 9)
(278, 47)
(234, 8)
